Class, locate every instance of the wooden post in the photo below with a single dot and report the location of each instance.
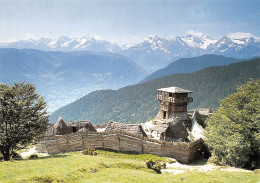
(102, 141)
(68, 147)
(83, 143)
(57, 143)
(118, 142)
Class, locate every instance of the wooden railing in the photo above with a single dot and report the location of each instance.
(174, 100)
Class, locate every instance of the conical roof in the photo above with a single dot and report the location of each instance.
(60, 127)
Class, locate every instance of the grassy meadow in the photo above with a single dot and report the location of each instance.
(107, 167)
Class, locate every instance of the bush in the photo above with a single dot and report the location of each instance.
(156, 165)
(90, 151)
(233, 131)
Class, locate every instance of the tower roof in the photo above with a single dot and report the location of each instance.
(174, 89)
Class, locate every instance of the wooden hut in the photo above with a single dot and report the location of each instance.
(60, 127)
(75, 126)
(132, 129)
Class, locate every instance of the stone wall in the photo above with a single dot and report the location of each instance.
(181, 151)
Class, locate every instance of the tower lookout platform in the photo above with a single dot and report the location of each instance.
(173, 103)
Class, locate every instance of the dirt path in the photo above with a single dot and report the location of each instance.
(199, 165)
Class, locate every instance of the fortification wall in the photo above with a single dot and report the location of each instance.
(130, 144)
(181, 151)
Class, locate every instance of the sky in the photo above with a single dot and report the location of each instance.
(126, 21)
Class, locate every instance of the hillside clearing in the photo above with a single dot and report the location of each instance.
(108, 167)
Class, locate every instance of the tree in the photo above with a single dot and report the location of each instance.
(233, 131)
(23, 116)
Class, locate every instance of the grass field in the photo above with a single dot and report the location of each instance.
(106, 167)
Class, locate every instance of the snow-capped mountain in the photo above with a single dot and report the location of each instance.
(65, 43)
(154, 52)
(198, 41)
(238, 48)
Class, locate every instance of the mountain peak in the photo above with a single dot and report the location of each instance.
(152, 38)
(198, 40)
(64, 38)
(225, 40)
(242, 37)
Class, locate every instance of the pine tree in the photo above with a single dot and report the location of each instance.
(23, 116)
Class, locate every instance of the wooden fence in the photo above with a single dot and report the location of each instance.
(181, 151)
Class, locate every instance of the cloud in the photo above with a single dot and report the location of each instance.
(241, 35)
(194, 33)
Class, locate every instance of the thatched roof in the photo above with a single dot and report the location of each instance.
(179, 130)
(160, 128)
(82, 124)
(134, 129)
(60, 128)
(174, 90)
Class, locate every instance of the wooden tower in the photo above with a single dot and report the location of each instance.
(173, 103)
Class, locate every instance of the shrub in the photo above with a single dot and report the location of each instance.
(90, 151)
(156, 165)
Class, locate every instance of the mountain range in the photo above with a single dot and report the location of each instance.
(138, 102)
(154, 52)
(63, 77)
(66, 69)
(188, 65)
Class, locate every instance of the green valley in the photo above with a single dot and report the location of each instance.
(137, 103)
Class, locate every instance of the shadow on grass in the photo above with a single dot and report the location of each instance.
(119, 152)
(46, 157)
(199, 162)
(53, 156)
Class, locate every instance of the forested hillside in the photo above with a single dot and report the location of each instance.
(188, 65)
(137, 103)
